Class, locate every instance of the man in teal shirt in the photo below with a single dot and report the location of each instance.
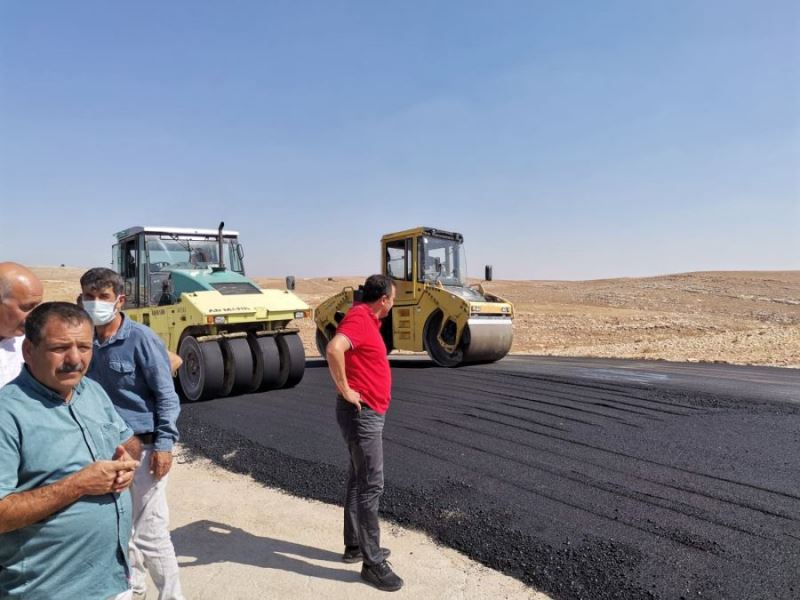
(65, 513)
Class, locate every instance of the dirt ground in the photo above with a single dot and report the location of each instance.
(738, 317)
(269, 544)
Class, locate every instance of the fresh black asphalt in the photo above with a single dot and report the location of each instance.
(584, 478)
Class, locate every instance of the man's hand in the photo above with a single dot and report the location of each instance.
(133, 445)
(160, 463)
(123, 452)
(353, 397)
(175, 362)
(107, 476)
(20, 509)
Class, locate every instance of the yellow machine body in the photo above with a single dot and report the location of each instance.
(434, 310)
(208, 313)
(189, 286)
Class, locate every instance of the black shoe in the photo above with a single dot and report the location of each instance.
(352, 554)
(381, 576)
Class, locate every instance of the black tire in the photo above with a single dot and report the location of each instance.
(239, 366)
(202, 374)
(268, 363)
(258, 362)
(438, 354)
(387, 334)
(293, 359)
(322, 344)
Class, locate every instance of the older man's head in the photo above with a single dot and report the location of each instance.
(20, 292)
(58, 345)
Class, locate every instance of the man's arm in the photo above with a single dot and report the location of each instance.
(18, 510)
(158, 375)
(335, 354)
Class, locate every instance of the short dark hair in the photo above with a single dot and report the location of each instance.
(100, 278)
(377, 286)
(63, 311)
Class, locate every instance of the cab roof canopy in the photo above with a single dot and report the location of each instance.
(430, 231)
(131, 231)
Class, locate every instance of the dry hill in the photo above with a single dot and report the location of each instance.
(736, 317)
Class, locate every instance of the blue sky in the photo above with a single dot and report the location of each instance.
(565, 140)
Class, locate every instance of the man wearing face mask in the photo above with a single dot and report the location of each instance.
(131, 363)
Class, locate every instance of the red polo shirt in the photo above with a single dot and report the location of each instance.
(366, 364)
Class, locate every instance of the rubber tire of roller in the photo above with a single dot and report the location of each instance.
(293, 359)
(239, 365)
(203, 371)
(270, 360)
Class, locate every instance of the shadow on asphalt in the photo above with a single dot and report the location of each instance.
(208, 542)
(316, 363)
(414, 363)
(399, 363)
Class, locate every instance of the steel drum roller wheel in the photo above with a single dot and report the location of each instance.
(489, 339)
(293, 359)
(202, 374)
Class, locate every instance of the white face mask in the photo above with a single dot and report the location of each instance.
(100, 311)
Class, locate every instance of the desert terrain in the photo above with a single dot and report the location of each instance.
(736, 317)
(733, 317)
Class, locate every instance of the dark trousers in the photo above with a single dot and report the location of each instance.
(363, 433)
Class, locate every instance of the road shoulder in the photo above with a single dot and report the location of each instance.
(238, 539)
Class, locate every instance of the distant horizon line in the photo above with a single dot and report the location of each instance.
(477, 279)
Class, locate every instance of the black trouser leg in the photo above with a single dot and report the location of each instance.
(351, 508)
(363, 433)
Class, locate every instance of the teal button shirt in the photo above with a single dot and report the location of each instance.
(80, 551)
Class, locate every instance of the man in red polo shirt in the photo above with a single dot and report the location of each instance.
(360, 369)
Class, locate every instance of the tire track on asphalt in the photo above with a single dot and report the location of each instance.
(587, 411)
(679, 537)
(569, 395)
(616, 490)
(535, 395)
(654, 462)
(627, 473)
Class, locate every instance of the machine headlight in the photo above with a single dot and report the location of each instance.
(299, 314)
(219, 320)
(476, 309)
(505, 309)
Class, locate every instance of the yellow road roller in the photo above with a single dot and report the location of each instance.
(435, 310)
(189, 286)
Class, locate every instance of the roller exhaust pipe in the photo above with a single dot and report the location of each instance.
(221, 265)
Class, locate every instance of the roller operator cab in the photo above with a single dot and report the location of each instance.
(190, 287)
(435, 310)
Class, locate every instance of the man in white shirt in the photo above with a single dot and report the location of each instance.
(20, 292)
